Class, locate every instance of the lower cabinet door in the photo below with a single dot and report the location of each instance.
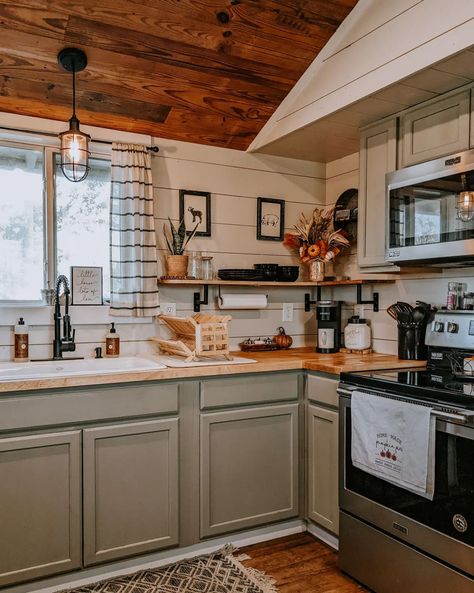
(249, 467)
(130, 489)
(40, 505)
(323, 481)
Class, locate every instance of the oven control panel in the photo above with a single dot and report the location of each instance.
(451, 329)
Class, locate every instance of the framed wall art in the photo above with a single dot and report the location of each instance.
(270, 219)
(195, 207)
(86, 285)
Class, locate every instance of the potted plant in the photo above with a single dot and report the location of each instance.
(316, 242)
(176, 240)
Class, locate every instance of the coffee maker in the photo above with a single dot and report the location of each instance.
(328, 316)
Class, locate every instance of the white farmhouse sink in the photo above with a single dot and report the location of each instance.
(73, 368)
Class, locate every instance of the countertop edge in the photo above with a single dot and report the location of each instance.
(291, 360)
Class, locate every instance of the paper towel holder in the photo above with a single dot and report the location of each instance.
(219, 293)
(197, 298)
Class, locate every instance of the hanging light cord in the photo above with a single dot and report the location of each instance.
(74, 92)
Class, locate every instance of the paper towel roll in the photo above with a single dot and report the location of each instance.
(242, 301)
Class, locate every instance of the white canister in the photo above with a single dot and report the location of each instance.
(357, 334)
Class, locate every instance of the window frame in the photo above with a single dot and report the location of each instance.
(49, 145)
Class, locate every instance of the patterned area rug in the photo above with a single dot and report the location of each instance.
(219, 572)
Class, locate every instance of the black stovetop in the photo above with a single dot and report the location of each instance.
(437, 386)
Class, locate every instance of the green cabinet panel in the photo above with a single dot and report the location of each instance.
(323, 482)
(130, 489)
(40, 505)
(248, 467)
(245, 390)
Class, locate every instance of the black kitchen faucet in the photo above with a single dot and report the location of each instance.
(66, 342)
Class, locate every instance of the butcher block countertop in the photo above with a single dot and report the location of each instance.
(281, 360)
(340, 362)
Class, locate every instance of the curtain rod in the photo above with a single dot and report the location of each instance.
(154, 149)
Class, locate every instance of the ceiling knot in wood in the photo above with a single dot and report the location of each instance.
(223, 17)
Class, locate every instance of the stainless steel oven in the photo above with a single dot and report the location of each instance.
(430, 212)
(393, 540)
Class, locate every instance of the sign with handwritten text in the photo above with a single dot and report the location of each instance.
(86, 285)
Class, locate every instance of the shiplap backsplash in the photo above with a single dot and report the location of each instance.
(235, 180)
(343, 174)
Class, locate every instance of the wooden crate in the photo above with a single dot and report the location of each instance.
(199, 336)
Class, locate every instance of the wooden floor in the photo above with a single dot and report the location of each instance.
(300, 564)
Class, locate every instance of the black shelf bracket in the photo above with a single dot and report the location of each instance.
(197, 299)
(307, 299)
(374, 301)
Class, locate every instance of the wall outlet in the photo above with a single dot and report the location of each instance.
(287, 313)
(168, 309)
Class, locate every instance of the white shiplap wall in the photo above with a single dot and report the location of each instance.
(235, 180)
(341, 175)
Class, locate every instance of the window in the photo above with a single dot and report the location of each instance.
(47, 223)
(22, 244)
(82, 220)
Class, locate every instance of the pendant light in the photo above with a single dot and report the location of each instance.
(465, 201)
(74, 143)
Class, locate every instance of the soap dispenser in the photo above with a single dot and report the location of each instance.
(21, 341)
(112, 343)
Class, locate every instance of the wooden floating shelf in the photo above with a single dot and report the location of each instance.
(348, 282)
(359, 283)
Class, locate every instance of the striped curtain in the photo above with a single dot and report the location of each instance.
(133, 256)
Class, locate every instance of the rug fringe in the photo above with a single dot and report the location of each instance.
(227, 550)
(261, 580)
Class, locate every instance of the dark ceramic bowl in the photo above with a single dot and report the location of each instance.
(269, 271)
(288, 273)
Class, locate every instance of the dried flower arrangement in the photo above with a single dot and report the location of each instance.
(316, 239)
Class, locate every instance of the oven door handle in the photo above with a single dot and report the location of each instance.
(465, 417)
(344, 392)
(462, 418)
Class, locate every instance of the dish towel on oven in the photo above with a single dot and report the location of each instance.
(394, 440)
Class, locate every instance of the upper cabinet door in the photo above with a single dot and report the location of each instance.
(378, 156)
(435, 129)
(40, 505)
(130, 489)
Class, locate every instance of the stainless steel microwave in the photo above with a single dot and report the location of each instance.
(430, 212)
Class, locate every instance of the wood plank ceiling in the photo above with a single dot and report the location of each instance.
(205, 71)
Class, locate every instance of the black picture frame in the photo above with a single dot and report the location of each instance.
(270, 219)
(82, 293)
(188, 200)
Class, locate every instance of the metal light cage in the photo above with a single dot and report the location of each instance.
(465, 200)
(75, 152)
(74, 143)
(465, 205)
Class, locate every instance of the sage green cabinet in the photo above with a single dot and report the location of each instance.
(378, 156)
(434, 129)
(248, 467)
(322, 494)
(40, 505)
(130, 489)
